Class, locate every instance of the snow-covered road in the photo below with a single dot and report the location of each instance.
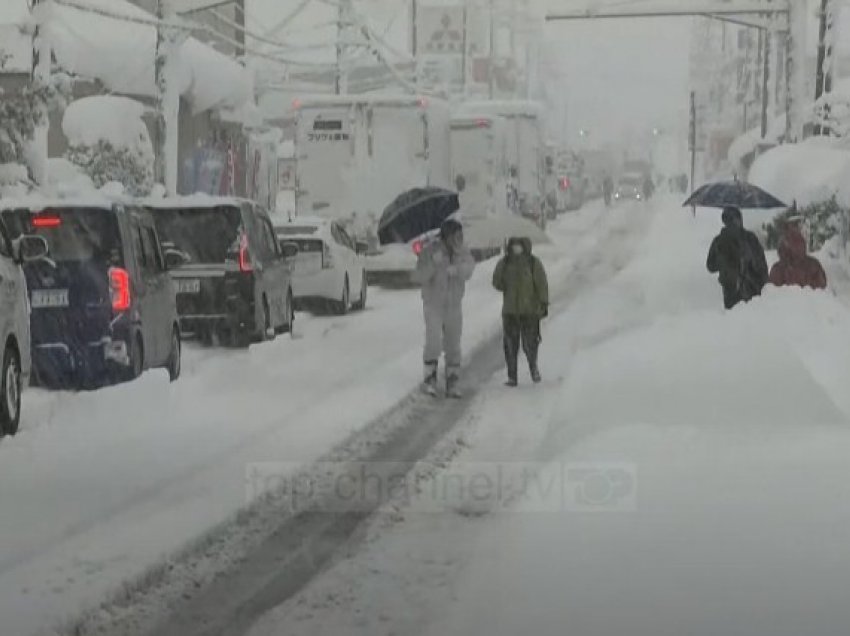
(712, 494)
(99, 486)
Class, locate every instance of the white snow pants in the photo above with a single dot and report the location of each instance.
(443, 330)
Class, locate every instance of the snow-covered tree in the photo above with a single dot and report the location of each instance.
(20, 115)
(109, 142)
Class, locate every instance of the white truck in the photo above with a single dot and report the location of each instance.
(354, 154)
(525, 152)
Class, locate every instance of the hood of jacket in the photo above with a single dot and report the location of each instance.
(524, 241)
(792, 247)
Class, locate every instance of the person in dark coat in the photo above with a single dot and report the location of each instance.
(795, 266)
(607, 189)
(521, 278)
(737, 256)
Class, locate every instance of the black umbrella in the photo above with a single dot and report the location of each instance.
(733, 194)
(415, 212)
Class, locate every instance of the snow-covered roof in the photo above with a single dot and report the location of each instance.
(121, 54)
(35, 201)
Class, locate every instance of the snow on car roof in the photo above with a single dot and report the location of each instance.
(199, 200)
(318, 101)
(505, 108)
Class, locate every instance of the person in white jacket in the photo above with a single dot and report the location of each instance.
(444, 266)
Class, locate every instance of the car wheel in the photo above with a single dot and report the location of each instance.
(137, 359)
(364, 293)
(174, 358)
(289, 314)
(10, 401)
(343, 305)
(268, 329)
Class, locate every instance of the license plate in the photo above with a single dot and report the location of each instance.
(188, 286)
(47, 298)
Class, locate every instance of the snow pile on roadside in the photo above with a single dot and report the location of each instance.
(809, 172)
(733, 428)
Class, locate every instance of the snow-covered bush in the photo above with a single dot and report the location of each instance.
(109, 141)
(822, 221)
(104, 163)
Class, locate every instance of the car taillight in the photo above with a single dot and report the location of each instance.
(417, 247)
(327, 257)
(119, 287)
(46, 221)
(564, 184)
(245, 264)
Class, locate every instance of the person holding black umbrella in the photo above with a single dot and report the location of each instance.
(443, 267)
(737, 256)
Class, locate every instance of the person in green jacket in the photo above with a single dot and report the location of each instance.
(525, 291)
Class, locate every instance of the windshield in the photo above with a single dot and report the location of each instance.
(72, 234)
(205, 235)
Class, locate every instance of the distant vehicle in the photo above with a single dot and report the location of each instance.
(103, 304)
(15, 324)
(354, 154)
(480, 164)
(572, 182)
(629, 188)
(235, 285)
(329, 267)
(525, 153)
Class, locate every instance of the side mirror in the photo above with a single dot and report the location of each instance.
(31, 248)
(174, 258)
(362, 247)
(289, 249)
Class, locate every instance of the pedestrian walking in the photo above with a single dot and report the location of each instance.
(521, 278)
(443, 267)
(737, 256)
(795, 265)
(607, 189)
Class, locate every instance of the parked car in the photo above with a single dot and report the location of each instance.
(235, 284)
(329, 267)
(102, 303)
(629, 188)
(15, 324)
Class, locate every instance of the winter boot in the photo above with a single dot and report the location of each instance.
(511, 382)
(429, 383)
(535, 375)
(452, 380)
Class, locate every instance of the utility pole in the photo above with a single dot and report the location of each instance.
(414, 39)
(342, 32)
(167, 97)
(42, 59)
(491, 72)
(765, 85)
(692, 142)
(823, 79)
(240, 31)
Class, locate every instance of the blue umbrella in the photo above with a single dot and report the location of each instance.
(733, 194)
(416, 212)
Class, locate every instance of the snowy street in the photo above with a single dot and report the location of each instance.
(731, 427)
(105, 484)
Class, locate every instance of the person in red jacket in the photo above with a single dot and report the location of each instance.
(795, 266)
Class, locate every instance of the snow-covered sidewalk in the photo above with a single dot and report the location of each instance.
(98, 486)
(710, 498)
